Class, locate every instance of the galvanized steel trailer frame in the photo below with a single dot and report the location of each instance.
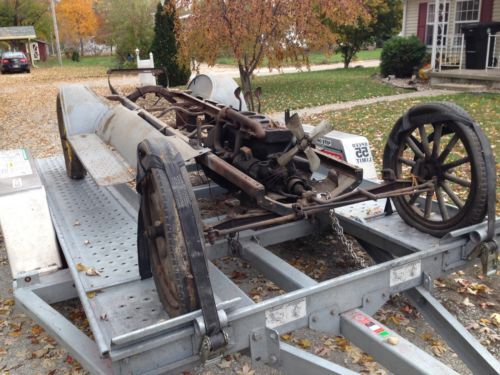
(133, 335)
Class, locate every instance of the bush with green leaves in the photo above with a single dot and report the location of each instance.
(401, 56)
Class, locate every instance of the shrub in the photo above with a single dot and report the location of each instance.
(401, 56)
(75, 56)
(165, 46)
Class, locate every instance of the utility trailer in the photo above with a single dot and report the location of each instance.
(145, 325)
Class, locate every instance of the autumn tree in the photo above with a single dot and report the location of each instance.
(165, 46)
(383, 21)
(77, 20)
(253, 30)
(129, 25)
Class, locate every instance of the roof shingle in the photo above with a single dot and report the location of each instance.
(17, 32)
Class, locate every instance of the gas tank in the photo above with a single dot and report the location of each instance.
(218, 88)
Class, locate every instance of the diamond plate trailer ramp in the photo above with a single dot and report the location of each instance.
(96, 226)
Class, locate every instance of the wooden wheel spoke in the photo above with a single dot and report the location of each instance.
(446, 187)
(413, 198)
(411, 142)
(428, 205)
(449, 147)
(406, 161)
(456, 163)
(425, 141)
(442, 204)
(436, 142)
(461, 181)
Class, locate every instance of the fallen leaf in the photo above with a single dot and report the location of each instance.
(286, 337)
(246, 370)
(486, 305)
(473, 325)
(322, 351)
(484, 321)
(224, 364)
(39, 353)
(438, 348)
(92, 272)
(410, 329)
(36, 329)
(393, 340)
(304, 343)
(495, 319)
(80, 267)
(467, 303)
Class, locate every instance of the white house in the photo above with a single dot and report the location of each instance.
(447, 41)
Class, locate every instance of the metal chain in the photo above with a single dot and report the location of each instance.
(339, 233)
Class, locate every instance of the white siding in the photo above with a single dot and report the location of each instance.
(412, 17)
(496, 10)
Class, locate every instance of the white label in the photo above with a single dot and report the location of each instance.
(286, 313)
(14, 163)
(17, 183)
(405, 273)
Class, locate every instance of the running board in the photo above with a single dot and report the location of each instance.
(104, 165)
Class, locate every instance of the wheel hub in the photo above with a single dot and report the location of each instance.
(426, 170)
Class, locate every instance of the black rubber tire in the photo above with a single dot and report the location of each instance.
(458, 121)
(74, 167)
(170, 264)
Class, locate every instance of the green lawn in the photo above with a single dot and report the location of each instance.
(316, 58)
(309, 89)
(375, 121)
(103, 61)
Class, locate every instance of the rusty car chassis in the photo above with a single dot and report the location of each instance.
(161, 306)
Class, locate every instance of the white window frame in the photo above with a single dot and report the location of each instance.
(459, 23)
(442, 36)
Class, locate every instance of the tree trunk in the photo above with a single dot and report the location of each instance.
(246, 86)
(348, 54)
(81, 46)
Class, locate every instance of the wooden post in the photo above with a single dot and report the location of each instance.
(56, 32)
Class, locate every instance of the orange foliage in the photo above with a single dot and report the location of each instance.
(77, 19)
(253, 29)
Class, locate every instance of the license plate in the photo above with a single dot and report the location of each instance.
(15, 66)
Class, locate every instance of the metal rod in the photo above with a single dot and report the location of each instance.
(488, 51)
(79, 345)
(167, 325)
(470, 351)
(400, 357)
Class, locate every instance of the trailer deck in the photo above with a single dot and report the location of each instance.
(96, 226)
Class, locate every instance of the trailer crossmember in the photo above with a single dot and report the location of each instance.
(137, 336)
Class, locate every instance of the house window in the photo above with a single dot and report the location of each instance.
(443, 16)
(467, 12)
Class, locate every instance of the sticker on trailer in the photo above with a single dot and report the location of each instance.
(354, 149)
(14, 163)
(286, 313)
(405, 273)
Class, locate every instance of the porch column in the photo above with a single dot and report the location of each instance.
(435, 35)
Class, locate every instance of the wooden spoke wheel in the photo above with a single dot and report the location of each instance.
(436, 142)
(161, 234)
